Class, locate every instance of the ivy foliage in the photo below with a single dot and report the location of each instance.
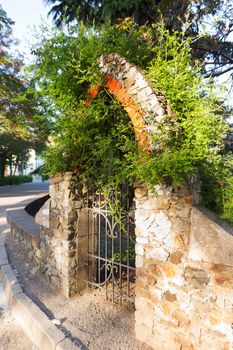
(98, 140)
(67, 64)
(190, 139)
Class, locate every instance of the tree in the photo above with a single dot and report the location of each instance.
(17, 101)
(14, 106)
(21, 120)
(14, 152)
(5, 31)
(215, 49)
(66, 11)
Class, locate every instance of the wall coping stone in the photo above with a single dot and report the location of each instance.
(20, 218)
(211, 238)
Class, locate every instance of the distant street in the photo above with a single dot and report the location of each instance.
(11, 335)
(12, 196)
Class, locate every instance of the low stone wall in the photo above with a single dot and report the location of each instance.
(210, 275)
(25, 233)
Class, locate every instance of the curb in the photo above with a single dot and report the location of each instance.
(38, 327)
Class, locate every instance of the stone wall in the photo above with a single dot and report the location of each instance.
(184, 263)
(25, 233)
(63, 240)
(163, 232)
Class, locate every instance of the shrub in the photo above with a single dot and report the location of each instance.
(15, 180)
(98, 140)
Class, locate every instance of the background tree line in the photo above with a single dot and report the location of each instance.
(214, 49)
(20, 125)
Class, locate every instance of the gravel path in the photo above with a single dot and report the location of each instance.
(88, 320)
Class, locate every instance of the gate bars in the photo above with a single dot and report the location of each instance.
(111, 245)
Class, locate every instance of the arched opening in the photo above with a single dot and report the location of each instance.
(111, 238)
(109, 214)
(129, 104)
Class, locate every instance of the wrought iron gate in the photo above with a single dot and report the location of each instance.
(111, 246)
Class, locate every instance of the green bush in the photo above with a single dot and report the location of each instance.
(98, 140)
(44, 177)
(15, 180)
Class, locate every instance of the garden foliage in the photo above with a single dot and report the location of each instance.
(98, 140)
(15, 180)
(21, 123)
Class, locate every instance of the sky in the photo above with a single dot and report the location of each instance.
(25, 14)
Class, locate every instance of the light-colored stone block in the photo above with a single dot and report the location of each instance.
(157, 253)
(10, 283)
(139, 249)
(139, 261)
(142, 332)
(211, 240)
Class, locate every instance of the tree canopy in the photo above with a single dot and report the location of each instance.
(98, 140)
(19, 129)
(215, 18)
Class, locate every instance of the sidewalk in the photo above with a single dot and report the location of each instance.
(11, 334)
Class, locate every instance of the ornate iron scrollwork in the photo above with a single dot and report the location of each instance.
(112, 251)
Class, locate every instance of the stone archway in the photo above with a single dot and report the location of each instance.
(162, 221)
(127, 83)
(183, 254)
(145, 107)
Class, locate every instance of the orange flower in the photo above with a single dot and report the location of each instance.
(94, 91)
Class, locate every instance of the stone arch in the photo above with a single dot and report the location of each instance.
(127, 83)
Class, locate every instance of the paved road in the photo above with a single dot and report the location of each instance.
(11, 335)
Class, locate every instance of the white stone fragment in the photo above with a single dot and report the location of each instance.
(142, 215)
(34, 270)
(161, 227)
(56, 322)
(162, 190)
(153, 101)
(133, 90)
(157, 253)
(139, 249)
(139, 261)
(142, 240)
(43, 215)
(52, 191)
(132, 72)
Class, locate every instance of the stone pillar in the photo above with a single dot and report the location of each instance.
(163, 222)
(64, 236)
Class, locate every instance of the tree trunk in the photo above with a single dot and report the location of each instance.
(2, 166)
(10, 166)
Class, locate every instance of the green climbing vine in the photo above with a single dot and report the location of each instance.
(98, 140)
